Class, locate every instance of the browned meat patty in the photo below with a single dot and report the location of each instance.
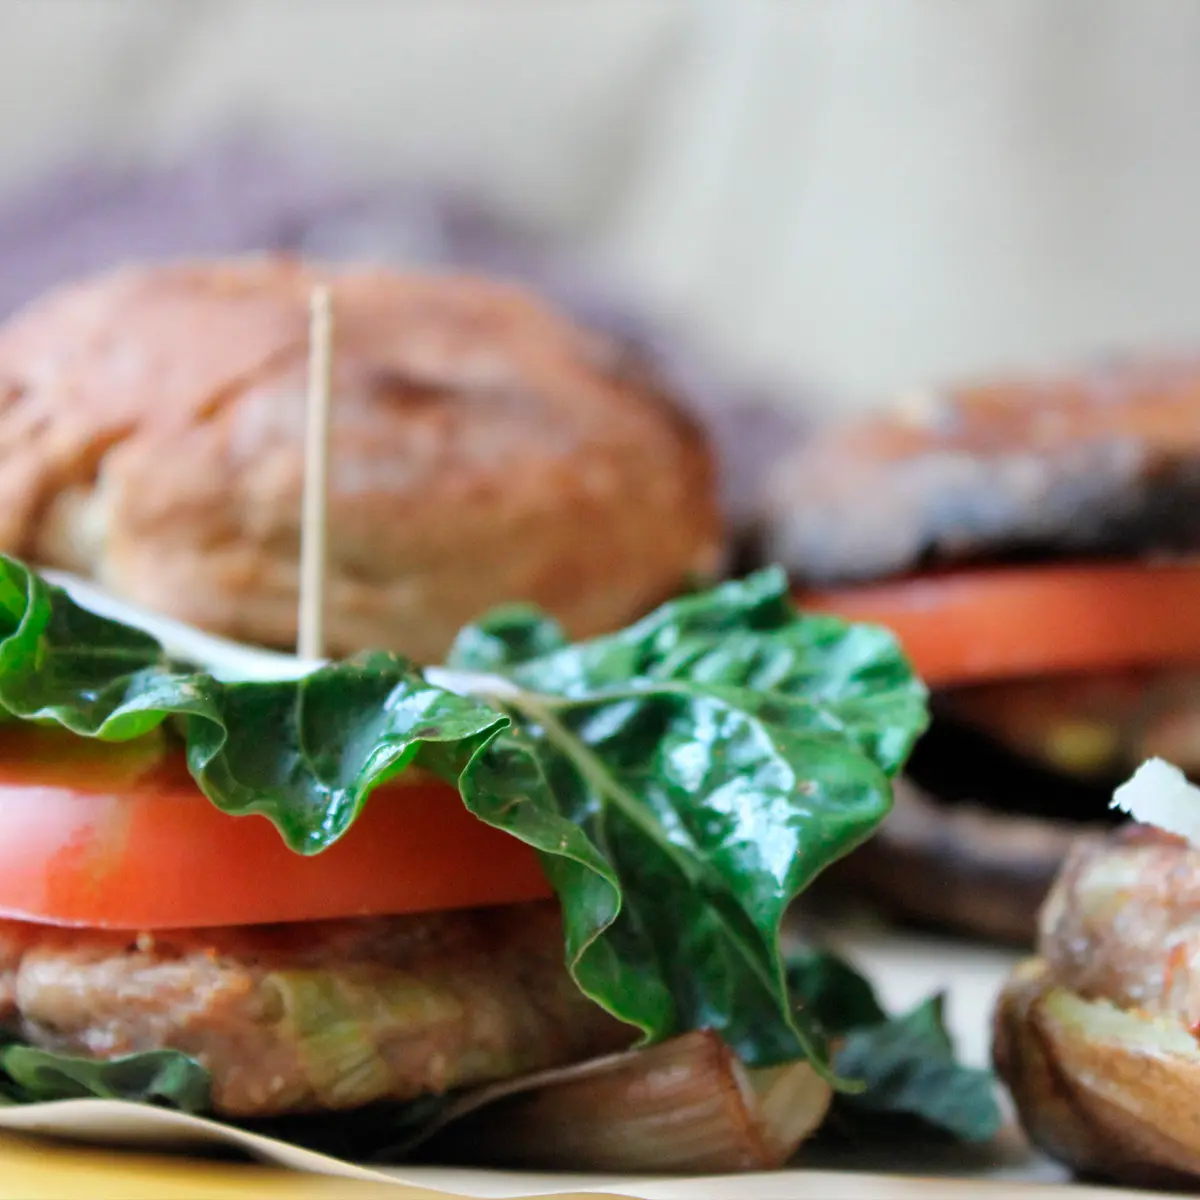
(1104, 462)
(959, 867)
(314, 1016)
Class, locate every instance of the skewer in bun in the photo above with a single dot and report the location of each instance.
(483, 450)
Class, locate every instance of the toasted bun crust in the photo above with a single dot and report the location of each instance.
(1107, 1091)
(1096, 1037)
(483, 450)
(1102, 462)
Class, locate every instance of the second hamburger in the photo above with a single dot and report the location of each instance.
(1032, 544)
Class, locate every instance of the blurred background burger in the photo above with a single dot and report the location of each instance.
(1033, 545)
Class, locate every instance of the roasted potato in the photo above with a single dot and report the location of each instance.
(1096, 1037)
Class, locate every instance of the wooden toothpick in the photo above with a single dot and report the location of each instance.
(311, 641)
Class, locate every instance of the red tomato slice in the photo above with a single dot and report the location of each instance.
(119, 837)
(1004, 623)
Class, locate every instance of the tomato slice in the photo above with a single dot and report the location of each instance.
(1003, 623)
(119, 837)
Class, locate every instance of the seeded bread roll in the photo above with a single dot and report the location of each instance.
(483, 450)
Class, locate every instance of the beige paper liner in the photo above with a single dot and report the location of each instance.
(125, 1125)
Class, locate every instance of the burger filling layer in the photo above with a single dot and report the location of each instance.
(315, 1016)
(1089, 725)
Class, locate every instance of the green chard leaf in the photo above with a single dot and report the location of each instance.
(683, 780)
(686, 778)
(909, 1076)
(832, 992)
(304, 753)
(909, 1068)
(174, 1080)
(164, 1077)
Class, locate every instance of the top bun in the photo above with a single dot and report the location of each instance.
(1103, 462)
(483, 450)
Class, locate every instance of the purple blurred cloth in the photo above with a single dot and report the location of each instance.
(233, 199)
(238, 198)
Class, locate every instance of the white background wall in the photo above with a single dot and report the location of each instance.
(871, 192)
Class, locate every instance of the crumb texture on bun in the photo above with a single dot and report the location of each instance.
(483, 450)
(1096, 1037)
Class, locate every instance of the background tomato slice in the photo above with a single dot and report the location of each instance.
(1004, 623)
(118, 837)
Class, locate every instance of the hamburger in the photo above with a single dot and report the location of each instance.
(1030, 543)
(352, 901)
(364, 889)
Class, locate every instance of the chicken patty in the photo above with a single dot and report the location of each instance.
(314, 1016)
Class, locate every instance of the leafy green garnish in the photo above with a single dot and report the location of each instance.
(908, 1067)
(683, 780)
(305, 754)
(905, 1064)
(164, 1077)
(832, 991)
(688, 777)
